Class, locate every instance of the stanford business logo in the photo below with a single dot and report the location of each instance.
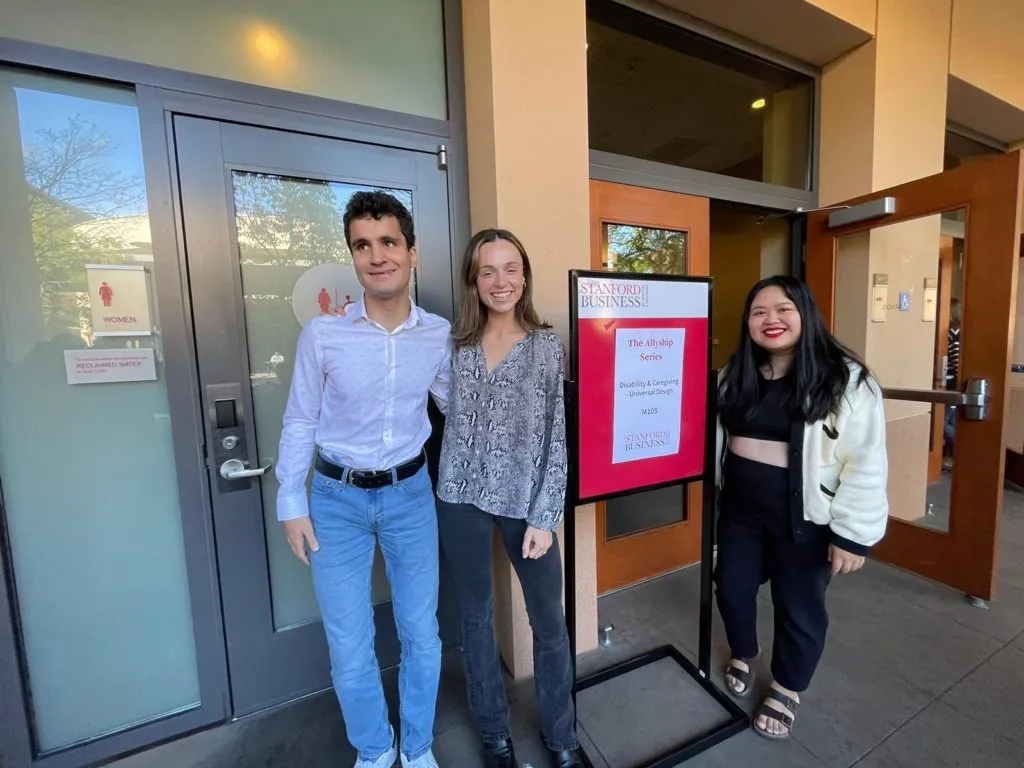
(613, 294)
(637, 441)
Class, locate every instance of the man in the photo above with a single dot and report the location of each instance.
(359, 392)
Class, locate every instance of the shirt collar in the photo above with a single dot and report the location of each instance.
(357, 311)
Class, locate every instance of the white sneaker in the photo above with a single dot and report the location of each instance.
(425, 760)
(387, 760)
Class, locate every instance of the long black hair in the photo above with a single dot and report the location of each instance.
(821, 366)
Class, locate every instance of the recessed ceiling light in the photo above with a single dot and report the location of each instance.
(759, 104)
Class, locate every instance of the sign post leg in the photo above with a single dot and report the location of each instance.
(707, 537)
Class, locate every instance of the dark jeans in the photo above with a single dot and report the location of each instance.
(756, 543)
(467, 536)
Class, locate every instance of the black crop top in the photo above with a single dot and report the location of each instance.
(772, 420)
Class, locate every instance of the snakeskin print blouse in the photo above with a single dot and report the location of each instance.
(503, 449)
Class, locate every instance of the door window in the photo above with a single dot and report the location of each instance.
(294, 265)
(911, 340)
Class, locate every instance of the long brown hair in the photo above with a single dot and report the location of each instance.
(472, 317)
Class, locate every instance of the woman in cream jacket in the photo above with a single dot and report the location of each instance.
(802, 475)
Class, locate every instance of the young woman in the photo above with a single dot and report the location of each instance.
(503, 465)
(802, 478)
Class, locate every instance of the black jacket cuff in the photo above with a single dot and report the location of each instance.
(849, 546)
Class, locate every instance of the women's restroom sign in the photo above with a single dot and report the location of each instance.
(119, 299)
(639, 352)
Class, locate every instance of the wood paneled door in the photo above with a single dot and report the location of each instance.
(642, 230)
(944, 521)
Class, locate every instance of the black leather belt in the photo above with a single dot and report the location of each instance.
(370, 479)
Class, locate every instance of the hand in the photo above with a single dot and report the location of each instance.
(300, 537)
(536, 543)
(843, 561)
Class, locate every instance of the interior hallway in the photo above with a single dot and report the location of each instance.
(912, 677)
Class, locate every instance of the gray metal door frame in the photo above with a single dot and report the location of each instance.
(269, 667)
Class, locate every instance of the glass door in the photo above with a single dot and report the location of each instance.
(262, 215)
(927, 296)
(649, 231)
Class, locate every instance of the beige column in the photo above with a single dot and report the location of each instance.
(526, 107)
(883, 120)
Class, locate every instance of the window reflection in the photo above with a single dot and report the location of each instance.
(88, 470)
(661, 93)
(644, 249)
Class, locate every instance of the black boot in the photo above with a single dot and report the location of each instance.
(567, 758)
(499, 754)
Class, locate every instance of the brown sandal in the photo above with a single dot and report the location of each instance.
(786, 718)
(744, 677)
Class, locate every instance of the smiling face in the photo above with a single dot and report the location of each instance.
(500, 276)
(774, 322)
(381, 257)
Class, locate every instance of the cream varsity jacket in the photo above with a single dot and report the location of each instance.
(845, 467)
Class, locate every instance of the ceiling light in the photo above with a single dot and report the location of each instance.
(759, 104)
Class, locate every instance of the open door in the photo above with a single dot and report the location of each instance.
(876, 267)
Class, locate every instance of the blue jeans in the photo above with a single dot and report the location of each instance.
(467, 535)
(348, 522)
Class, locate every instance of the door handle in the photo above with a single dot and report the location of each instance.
(974, 399)
(938, 396)
(235, 469)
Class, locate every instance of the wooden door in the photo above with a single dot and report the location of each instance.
(641, 230)
(946, 531)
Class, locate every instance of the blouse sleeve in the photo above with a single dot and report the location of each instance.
(548, 504)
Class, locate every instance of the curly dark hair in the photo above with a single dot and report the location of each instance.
(376, 205)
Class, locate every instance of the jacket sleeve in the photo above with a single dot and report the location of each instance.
(860, 509)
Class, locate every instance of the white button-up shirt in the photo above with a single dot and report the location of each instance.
(360, 394)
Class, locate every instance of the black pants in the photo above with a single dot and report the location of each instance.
(757, 544)
(467, 536)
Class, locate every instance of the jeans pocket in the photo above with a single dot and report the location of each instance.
(326, 485)
(416, 485)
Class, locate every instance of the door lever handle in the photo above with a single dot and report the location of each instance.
(235, 469)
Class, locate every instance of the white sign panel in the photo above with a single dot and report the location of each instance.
(600, 298)
(324, 288)
(109, 366)
(648, 393)
(119, 299)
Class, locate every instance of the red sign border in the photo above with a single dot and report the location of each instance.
(572, 386)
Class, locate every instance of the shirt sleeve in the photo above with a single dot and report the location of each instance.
(548, 505)
(441, 387)
(298, 437)
(860, 509)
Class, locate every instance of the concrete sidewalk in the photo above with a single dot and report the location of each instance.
(913, 677)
